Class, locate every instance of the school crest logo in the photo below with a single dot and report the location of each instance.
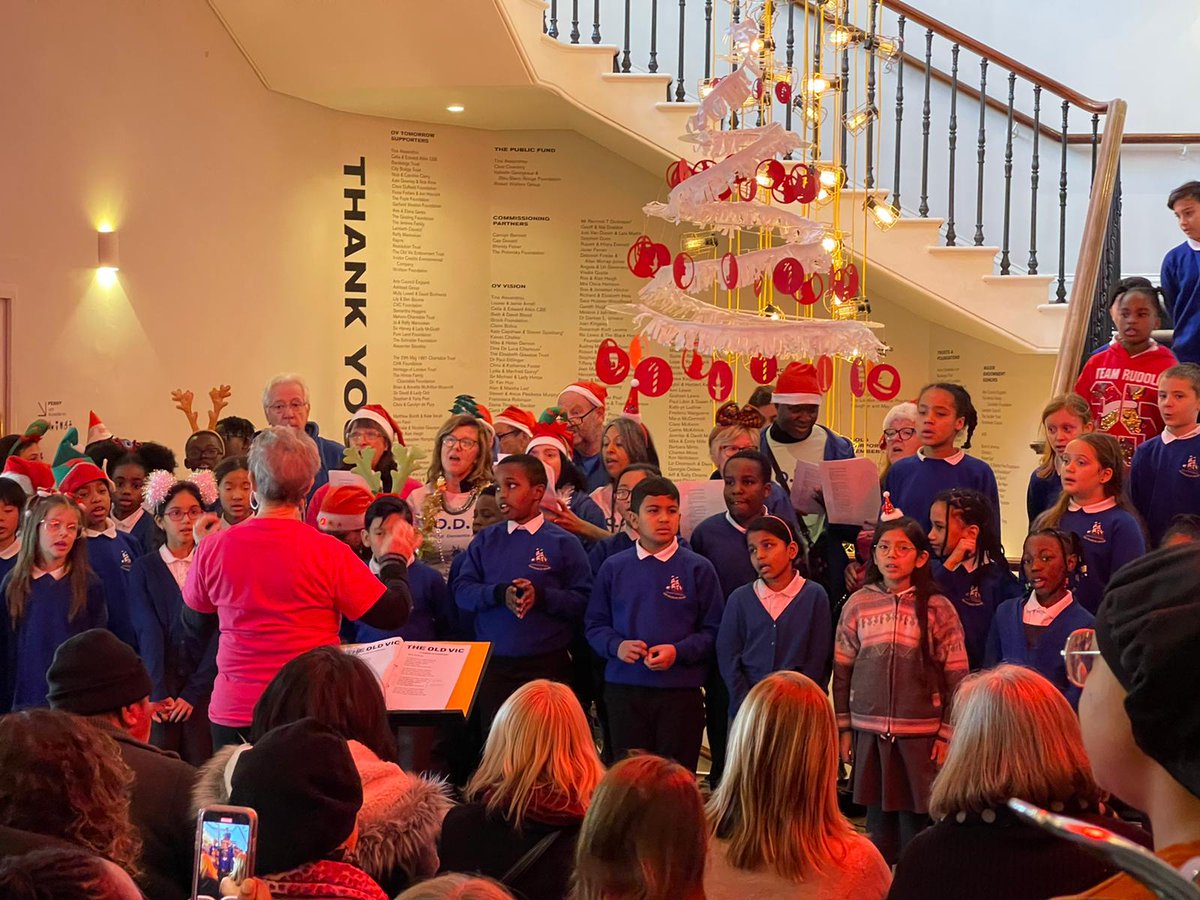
(539, 561)
(973, 597)
(1190, 469)
(674, 589)
(1095, 534)
(126, 561)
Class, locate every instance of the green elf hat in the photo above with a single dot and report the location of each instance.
(67, 453)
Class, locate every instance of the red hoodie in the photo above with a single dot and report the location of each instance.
(1122, 391)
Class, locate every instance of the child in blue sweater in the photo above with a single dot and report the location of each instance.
(780, 621)
(110, 553)
(944, 411)
(970, 566)
(653, 617)
(1181, 273)
(12, 504)
(129, 515)
(626, 535)
(49, 596)
(527, 583)
(1032, 631)
(1093, 506)
(1064, 418)
(1165, 478)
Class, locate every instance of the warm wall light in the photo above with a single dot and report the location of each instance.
(107, 255)
(885, 214)
(455, 108)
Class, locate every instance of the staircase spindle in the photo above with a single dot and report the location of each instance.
(680, 94)
(1095, 141)
(625, 60)
(923, 209)
(596, 24)
(1061, 294)
(843, 98)
(816, 67)
(950, 235)
(1032, 267)
(1005, 262)
(900, 20)
(983, 64)
(872, 24)
(574, 21)
(707, 36)
(790, 56)
(553, 29)
(734, 118)
(653, 66)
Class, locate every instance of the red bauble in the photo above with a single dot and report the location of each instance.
(692, 365)
(684, 271)
(747, 188)
(858, 377)
(720, 381)
(788, 275)
(612, 362)
(783, 92)
(654, 376)
(883, 381)
(773, 171)
(729, 271)
(678, 172)
(763, 369)
(824, 374)
(845, 281)
(812, 289)
(645, 257)
(807, 184)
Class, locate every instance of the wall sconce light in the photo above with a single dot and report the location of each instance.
(885, 214)
(108, 258)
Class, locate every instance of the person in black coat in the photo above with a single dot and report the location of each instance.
(97, 676)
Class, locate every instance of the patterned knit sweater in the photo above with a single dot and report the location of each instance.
(880, 683)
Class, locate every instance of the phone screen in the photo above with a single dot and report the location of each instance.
(223, 849)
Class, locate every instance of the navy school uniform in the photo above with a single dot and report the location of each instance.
(111, 555)
(1111, 538)
(589, 510)
(433, 616)
(1180, 280)
(618, 543)
(751, 645)
(671, 598)
(1041, 494)
(1165, 480)
(915, 480)
(29, 645)
(976, 600)
(7, 562)
(146, 536)
(1008, 642)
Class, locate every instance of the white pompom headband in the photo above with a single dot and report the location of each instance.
(159, 483)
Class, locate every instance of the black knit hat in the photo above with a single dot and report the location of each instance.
(301, 780)
(96, 672)
(1148, 632)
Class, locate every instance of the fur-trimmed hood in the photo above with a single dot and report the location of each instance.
(398, 824)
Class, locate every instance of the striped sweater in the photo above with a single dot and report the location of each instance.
(880, 684)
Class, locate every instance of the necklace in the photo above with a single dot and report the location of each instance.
(472, 496)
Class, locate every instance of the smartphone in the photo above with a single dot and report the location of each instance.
(225, 840)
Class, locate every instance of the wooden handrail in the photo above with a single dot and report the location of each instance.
(1091, 248)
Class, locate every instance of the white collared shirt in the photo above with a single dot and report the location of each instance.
(175, 565)
(376, 568)
(1036, 614)
(57, 574)
(775, 602)
(954, 459)
(730, 519)
(109, 530)
(1195, 245)
(1168, 438)
(11, 550)
(662, 555)
(1091, 508)
(126, 525)
(531, 526)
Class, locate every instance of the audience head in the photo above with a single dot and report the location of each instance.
(128, 476)
(760, 399)
(943, 411)
(645, 835)
(285, 401)
(64, 873)
(51, 538)
(625, 441)
(456, 886)
(521, 479)
(283, 464)
(623, 494)
(301, 780)
(583, 404)
(777, 802)
(539, 757)
(1064, 418)
(96, 674)
(203, 450)
(1184, 201)
(63, 777)
(237, 433)
(747, 476)
(1184, 528)
(901, 432)
(1015, 735)
(234, 489)
(462, 452)
(487, 509)
(336, 689)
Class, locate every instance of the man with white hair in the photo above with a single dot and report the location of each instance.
(285, 402)
(583, 403)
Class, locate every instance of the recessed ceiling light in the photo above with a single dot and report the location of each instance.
(455, 108)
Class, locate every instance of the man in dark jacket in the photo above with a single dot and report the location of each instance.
(96, 675)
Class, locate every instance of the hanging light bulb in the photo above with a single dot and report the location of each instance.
(773, 312)
(810, 107)
(831, 243)
(706, 86)
(843, 36)
(817, 84)
(885, 214)
(856, 120)
(831, 177)
(886, 48)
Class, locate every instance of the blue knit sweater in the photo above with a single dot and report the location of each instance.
(1006, 642)
(111, 558)
(976, 600)
(1164, 481)
(1111, 538)
(724, 545)
(916, 480)
(433, 617)
(1181, 289)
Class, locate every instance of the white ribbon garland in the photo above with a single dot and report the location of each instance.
(715, 180)
(712, 144)
(750, 265)
(729, 93)
(729, 218)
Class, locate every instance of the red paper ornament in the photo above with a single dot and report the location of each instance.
(729, 271)
(758, 88)
(824, 374)
(807, 183)
(684, 271)
(845, 281)
(788, 275)
(883, 381)
(758, 284)
(703, 165)
(653, 377)
(858, 377)
(783, 92)
(692, 365)
(720, 381)
(763, 369)
(747, 188)
(612, 362)
(645, 257)
(678, 172)
(811, 290)
(773, 171)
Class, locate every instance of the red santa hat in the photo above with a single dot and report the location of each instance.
(889, 513)
(33, 477)
(82, 471)
(344, 508)
(375, 413)
(798, 386)
(97, 430)
(515, 417)
(632, 410)
(552, 434)
(595, 394)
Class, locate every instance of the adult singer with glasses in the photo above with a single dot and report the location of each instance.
(286, 402)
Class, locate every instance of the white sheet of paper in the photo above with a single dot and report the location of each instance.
(697, 501)
(805, 482)
(851, 489)
(414, 676)
(345, 478)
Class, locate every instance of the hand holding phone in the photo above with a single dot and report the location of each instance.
(226, 837)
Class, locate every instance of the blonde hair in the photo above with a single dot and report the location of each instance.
(1107, 450)
(1015, 735)
(29, 557)
(644, 836)
(481, 472)
(1076, 406)
(540, 745)
(456, 886)
(724, 433)
(777, 803)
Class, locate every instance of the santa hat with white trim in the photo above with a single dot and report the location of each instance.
(593, 393)
(97, 430)
(376, 414)
(632, 408)
(33, 477)
(344, 508)
(515, 417)
(552, 434)
(798, 386)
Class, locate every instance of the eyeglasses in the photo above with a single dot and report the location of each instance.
(464, 443)
(178, 515)
(578, 420)
(1080, 654)
(294, 406)
(885, 548)
(505, 435)
(53, 526)
(623, 493)
(903, 433)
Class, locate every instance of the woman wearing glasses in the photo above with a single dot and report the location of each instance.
(900, 438)
(444, 507)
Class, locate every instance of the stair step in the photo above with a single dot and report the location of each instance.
(688, 106)
(1017, 280)
(988, 252)
(607, 50)
(653, 77)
